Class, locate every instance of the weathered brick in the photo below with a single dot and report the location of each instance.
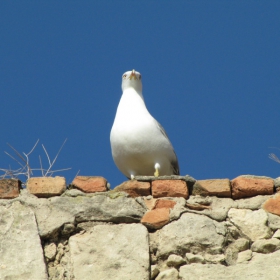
(213, 187)
(272, 205)
(90, 184)
(46, 186)
(169, 188)
(135, 188)
(9, 188)
(156, 218)
(164, 203)
(248, 187)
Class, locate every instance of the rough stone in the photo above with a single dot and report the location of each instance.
(153, 259)
(276, 234)
(111, 252)
(90, 184)
(175, 260)
(186, 235)
(135, 188)
(273, 221)
(9, 188)
(73, 193)
(266, 246)
(251, 223)
(253, 203)
(244, 256)
(169, 188)
(196, 235)
(277, 182)
(50, 219)
(178, 209)
(169, 274)
(154, 271)
(220, 229)
(100, 207)
(57, 273)
(192, 258)
(231, 255)
(21, 252)
(241, 244)
(53, 213)
(219, 207)
(261, 267)
(233, 231)
(272, 205)
(232, 251)
(50, 251)
(149, 202)
(156, 218)
(248, 187)
(213, 187)
(214, 258)
(67, 229)
(46, 186)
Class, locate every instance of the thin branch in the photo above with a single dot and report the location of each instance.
(33, 147)
(77, 174)
(64, 169)
(39, 169)
(18, 154)
(47, 154)
(14, 159)
(29, 170)
(56, 156)
(41, 165)
(25, 168)
(274, 157)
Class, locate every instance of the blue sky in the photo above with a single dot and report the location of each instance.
(210, 72)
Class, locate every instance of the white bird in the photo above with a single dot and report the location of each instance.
(139, 144)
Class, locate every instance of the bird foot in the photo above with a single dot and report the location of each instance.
(156, 173)
(157, 166)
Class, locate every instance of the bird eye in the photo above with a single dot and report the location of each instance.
(140, 77)
(124, 75)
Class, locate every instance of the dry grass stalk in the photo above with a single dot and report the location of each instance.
(25, 169)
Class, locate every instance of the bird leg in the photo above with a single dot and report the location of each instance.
(157, 167)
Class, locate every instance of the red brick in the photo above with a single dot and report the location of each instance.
(135, 188)
(164, 203)
(248, 187)
(272, 205)
(9, 188)
(169, 188)
(214, 187)
(46, 186)
(90, 184)
(156, 218)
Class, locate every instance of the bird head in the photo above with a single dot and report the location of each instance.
(132, 79)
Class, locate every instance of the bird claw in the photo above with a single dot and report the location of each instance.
(156, 173)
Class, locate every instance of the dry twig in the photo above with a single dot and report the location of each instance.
(25, 169)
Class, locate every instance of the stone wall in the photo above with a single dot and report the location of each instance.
(172, 228)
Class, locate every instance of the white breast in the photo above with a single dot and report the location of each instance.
(137, 142)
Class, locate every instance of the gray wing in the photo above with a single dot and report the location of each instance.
(174, 162)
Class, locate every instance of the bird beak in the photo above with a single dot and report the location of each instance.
(133, 75)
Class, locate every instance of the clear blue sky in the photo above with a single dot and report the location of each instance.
(210, 72)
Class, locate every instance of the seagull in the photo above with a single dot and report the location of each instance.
(139, 144)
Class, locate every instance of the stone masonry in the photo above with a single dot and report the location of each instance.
(172, 227)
